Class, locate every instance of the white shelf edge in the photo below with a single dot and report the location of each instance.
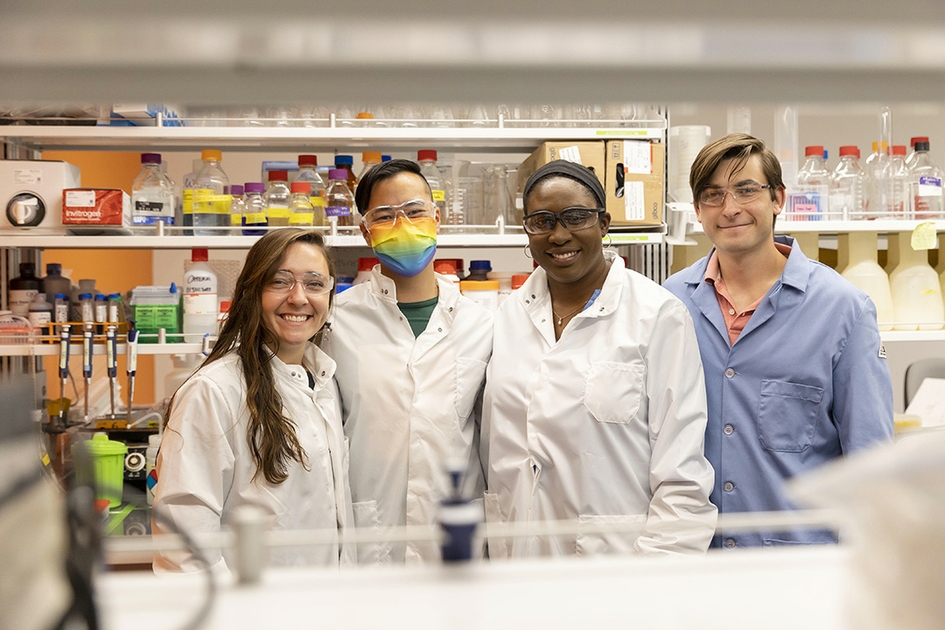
(892, 336)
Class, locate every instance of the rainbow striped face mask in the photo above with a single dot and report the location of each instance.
(405, 246)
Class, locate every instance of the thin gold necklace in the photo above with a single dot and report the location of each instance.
(562, 318)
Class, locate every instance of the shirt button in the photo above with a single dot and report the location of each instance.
(728, 429)
(729, 373)
(729, 543)
(728, 486)
(731, 311)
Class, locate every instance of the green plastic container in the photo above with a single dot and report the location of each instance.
(108, 464)
(155, 308)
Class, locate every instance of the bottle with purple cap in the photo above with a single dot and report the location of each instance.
(152, 194)
(254, 209)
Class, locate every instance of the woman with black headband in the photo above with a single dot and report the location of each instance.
(594, 405)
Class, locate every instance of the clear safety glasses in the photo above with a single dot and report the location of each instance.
(746, 193)
(573, 219)
(312, 283)
(410, 210)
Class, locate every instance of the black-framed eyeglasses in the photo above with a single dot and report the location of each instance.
(573, 219)
(746, 193)
(312, 283)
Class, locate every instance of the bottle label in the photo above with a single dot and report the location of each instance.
(236, 219)
(187, 198)
(439, 195)
(62, 312)
(317, 201)
(338, 211)
(200, 304)
(20, 301)
(39, 318)
(101, 312)
(277, 213)
(930, 186)
(255, 218)
(302, 218)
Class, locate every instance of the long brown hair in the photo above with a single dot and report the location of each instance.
(272, 438)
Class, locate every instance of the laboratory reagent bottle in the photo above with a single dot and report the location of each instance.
(277, 198)
(55, 282)
(237, 207)
(200, 298)
(809, 199)
(301, 211)
(848, 186)
(915, 287)
(40, 316)
(211, 203)
(23, 289)
(308, 172)
(365, 266)
(339, 202)
(858, 260)
(925, 181)
(152, 194)
(427, 160)
(254, 209)
(346, 162)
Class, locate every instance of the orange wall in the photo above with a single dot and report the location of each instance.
(115, 270)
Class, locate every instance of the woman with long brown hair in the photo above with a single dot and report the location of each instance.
(259, 422)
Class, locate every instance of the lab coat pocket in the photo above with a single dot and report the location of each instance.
(469, 374)
(498, 547)
(786, 415)
(367, 519)
(629, 526)
(613, 391)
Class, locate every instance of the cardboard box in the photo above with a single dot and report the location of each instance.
(96, 207)
(590, 154)
(635, 182)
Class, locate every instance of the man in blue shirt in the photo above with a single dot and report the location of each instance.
(795, 371)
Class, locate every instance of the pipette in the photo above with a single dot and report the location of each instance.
(87, 365)
(111, 353)
(132, 361)
(65, 337)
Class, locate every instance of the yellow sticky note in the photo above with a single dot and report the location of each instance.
(923, 237)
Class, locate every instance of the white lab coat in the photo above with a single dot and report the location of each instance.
(605, 425)
(408, 406)
(205, 468)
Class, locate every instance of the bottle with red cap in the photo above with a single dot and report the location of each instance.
(277, 198)
(365, 266)
(429, 170)
(308, 173)
(809, 199)
(911, 157)
(301, 210)
(201, 307)
(848, 186)
(898, 183)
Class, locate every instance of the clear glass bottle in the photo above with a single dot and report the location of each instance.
(346, 162)
(254, 209)
(925, 185)
(809, 200)
(438, 187)
(152, 194)
(847, 186)
(55, 282)
(211, 203)
(339, 202)
(911, 157)
(899, 184)
(277, 198)
(308, 172)
(301, 211)
(186, 217)
(369, 159)
(236, 208)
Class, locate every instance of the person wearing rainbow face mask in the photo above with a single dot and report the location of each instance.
(411, 354)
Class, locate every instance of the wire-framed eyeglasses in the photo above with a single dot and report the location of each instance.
(312, 283)
(745, 193)
(573, 219)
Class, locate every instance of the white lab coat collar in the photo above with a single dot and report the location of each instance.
(385, 289)
(535, 297)
(319, 364)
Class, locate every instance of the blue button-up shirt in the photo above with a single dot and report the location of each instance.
(805, 382)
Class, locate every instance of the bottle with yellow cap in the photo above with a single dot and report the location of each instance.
(211, 204)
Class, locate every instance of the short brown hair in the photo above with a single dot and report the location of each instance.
(739, 147)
